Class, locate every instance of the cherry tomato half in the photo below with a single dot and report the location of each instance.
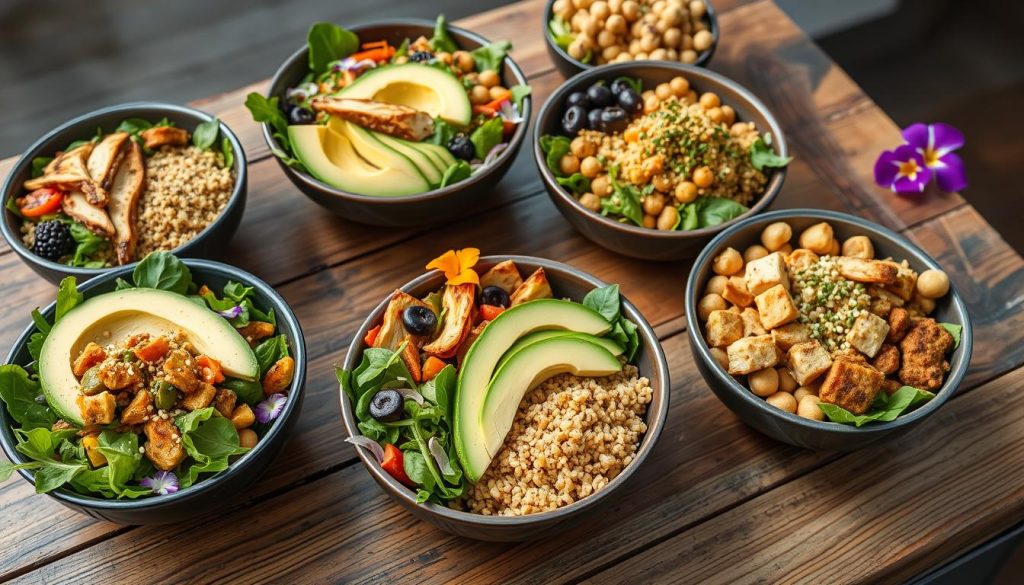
(40, 202)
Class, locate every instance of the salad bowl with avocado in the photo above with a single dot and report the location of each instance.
(395, 123)
(503, 398)
(153, 394)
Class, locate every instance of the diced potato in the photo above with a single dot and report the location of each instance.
(97, 409)
(808, 361)
(534, 287)
(138, 409)
(92, 451)
(735, 292)
(752, 322)
(790, 334)
(243, 416)
(279, 376)
(776, 307)
(851, 385)
(503, 275)
(750, 354)
(723, 328)
(225, 401)
(90, 356)
(765, 273)
(201, 398)
(163, 447)
(869, 271)
(868, 333)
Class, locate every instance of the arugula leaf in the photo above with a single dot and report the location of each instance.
(604, 300)
(490, 56)
(902, 400)
(443, 133)
(162, 271)
(954, 331)
(38, 164)
(441, 389)
(459, 171)
(329, 42)
(68, 297)
(228, 152)
(442, 41)
(270, 351)
(237, 291)
(205, 134)
(624, 200)
(761, 156)
(561, 32)
(519, 93)
(21, 394)
(53, 475)
(487, 136)
(248, 391)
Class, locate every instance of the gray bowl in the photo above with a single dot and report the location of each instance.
(206, 243)
(788, 427)
(568, 66)
(566, 282)
(432, 207)
(215, 493)
(636, 241)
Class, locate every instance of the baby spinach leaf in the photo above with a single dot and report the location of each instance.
(266, 110)
(205, 134)
(441, 388)
(902, 400)
(6, 469)
(604, 300)
(954, 331)
(459, 171)
(762, 156)
(68, 297)
(624, 200)
(718, 210)
(490, 56)
(216, 437)
(53, 475)
(87, 244)
(38, 164)
(442, 41)
(443, 133)
(237, 291)
(329, 42)
(519, 93)
(417, 470)
(192, 470)
(122, 453)
(22, 394)
(487, 136)
(35, 341)
(270, 351)
(134, 126)
(162, 271)
(248, 391)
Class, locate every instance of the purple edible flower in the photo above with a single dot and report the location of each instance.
(270, 408)
(936, 143)
(902, 170)
(232, 313)
(161, 482)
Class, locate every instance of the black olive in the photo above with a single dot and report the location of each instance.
(577, 98)
(461, 147)
(494, 296)
(618, 85)
(599, 95)
(419, 320)
(574, 120)
(614, 119)
(300, 115)
(630, 100)
(594, 120)
(386, 405)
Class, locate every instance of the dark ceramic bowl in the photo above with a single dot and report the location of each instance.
(432, 207)
(632, 240)
(207, 242)
(215, 493)
(568, 66)
(650, 359)
(791, 428)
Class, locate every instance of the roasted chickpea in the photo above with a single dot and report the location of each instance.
(651, 103)
(720, 356)
(703, 177)
(568, 164)
(702, 41)
(804, 391)
(786, 381)
(591, 27)
(654, 203)
(489, 78)
(727, 263)
(578, 48)
(817, 238)
(631, 10)
(613, 53)
(697, 8)
(932, 284)
(634, 47)
(671, 37)
(590, 167)
(764, 382)
(715, 115)
(606, 38)
(650, 221)
(658, 54)
(622, 57)
(563, 8)
(641, 56)
(661, 183)
(582, 148)
(808, 408)
(924, 304)
(671, 55)
(686, 192)
(668, 218)
(601, 186)
(591, 201)
(708, 304)
(859, 247)
(464, 61)
(833, 248)
(679, 86)
(479, 95)
(615, 6)
(786, 249)
(247, 438)
(716, 284)
(775, 235)
(728, 115)
(782, 401)
(599, 10)
(663, 91)
(648, 43)
(754, 252)
(710, 100)
(582, 4)
(444, 57)
(616, 24)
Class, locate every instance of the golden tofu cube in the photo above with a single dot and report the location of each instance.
(790, 334)
(735, 292)
(851, 385)
(870, 271)
(776, 307)
(906, 281)
(764, 273)
(868, 333)
(808, 361)
(138, 409)
(163, 447)
(752, 322)
(750, 354)
(723, 328)
(201, 398)
(97, 409)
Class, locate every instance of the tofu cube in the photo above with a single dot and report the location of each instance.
(750, 354)
(868, 333)
(851, 385)
(790, 334)
(97, 409)
(808, 361)
(764, 273)
(752, 322)
(735, 292)
(776, 307)
(906, 281)
(723, 328)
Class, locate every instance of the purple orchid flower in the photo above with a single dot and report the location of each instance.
(903, 170)
(161, 482)
(270, 408)
(232, 313)
(936, 143)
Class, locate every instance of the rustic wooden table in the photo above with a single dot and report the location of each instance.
(715, 502)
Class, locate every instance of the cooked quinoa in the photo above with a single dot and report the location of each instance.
(186, 190)
(828, 303)
(571, 436)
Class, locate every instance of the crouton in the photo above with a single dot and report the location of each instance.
(924, 355)
(801, 259)
(905, 283)
(534, 287)
(97, 409)
(899, 323)
(256, 331)
(201, 398)
(752, 322)
(138, 409)
(503, 275)
(90, 356)
(163, 447)
(851, 385)
(735, 292)
(723, 328)
(750, 354)
(808, 361)
(776, 307)
(243, 417)
(765, 273)
(880, 307)
(868, 333)
(869, 271)
(224, 402)
(887, 360)
(791, 334)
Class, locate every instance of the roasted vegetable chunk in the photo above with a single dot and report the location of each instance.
(392, 332)
(179, 370)
(201, 398)
(98, 409)
(158, 136)
(924, 355)
(279, 376)
(90, 356)
(503, 275)
(534, 287)
(851, 385)
(92, 451)
(163, 446)
(225, 401)
(242, 417)
(256, 331)
(120, 375)
(138, 409)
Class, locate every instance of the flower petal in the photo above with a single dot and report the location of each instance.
(466, 276)
(945, 138)
(447, 263)
(270, 408)
(468, 257)
(950, 174)
(886, 168)
(916, 135)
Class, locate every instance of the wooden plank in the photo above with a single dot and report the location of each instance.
(883, 514)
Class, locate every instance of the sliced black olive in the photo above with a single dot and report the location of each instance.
(577, 98)
(386, 405)
(494, 296)
(574, 120)
(599, 95)
(614, 119)
(630, 100)
(419, 320)
(594, 120)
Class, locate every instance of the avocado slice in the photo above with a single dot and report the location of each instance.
(440, 154)
(331, 158)
(479, 364)
(373, 150)
(530, 366)
(424, 162)
(427, 89)
(536, 336)
(110, 317)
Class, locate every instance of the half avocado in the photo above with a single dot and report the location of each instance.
(427, 89)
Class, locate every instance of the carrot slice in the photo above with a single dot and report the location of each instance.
(210, 369)
(432, 367)
(153, 351)
(371, 336)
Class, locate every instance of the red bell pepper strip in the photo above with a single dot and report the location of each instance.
(394, 464)
(489, 312)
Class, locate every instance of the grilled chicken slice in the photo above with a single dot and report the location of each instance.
(503, 275)
(392, 333)
(458, 302)
(70, 171)
(125, 189)
(164, 135)
(391, 119)
(534, 287)
(105, 158)
(95, 218)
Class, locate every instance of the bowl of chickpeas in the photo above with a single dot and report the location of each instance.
(582, 34)
(824, 330)
(652, 159)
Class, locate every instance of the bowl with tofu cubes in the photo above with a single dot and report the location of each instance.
(824, 330)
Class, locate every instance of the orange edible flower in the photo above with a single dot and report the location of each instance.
(458, 265)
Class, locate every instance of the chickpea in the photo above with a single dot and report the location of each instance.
(699, 26)
(671, 37)
(651, 103)
(661, 183)
(622, 57)
(578, 48)
(932, 284)
(631, 10)
(668, 218)
(634, 47)
(247, 438)
(568, 164)
(582, 148)
(498, 91)
(804, 391)
(563, 8)
(720, 356)
(817, 238)
(599, 10)
(489, 78)
(786, 249)
(582, 4)
(728, 115)
(590, 201)
(710, 100)
(686, 43)
(697, 9)
(716, 115)
(808, 408)
(637, 29)
(659, 54)
(663, 91)
(648, 43)
(679, 86)
(782, 401)
(591, 27)
(716, 284)
(786, 381)
(615, 6)
(444, 57)
(764, 382)
(691, 97)
(650, 222)
(613, 52)
(479, 95)
(775, 235)
(654, 203)
(859, 247)
(464, 61)
(688, 56)
(661, 26)
(727, 263)
(754, 252)
(590, 167)
(641, 56)
(926, 305)
(702, 41)
(606, 38)
(703, 177)
(615, 23)
(671, 55)
(601, 186)
(672, 15)
(686, 192)
(708, 304)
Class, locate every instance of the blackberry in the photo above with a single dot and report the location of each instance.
(461, 147)
(52, 240)
(421, 56)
